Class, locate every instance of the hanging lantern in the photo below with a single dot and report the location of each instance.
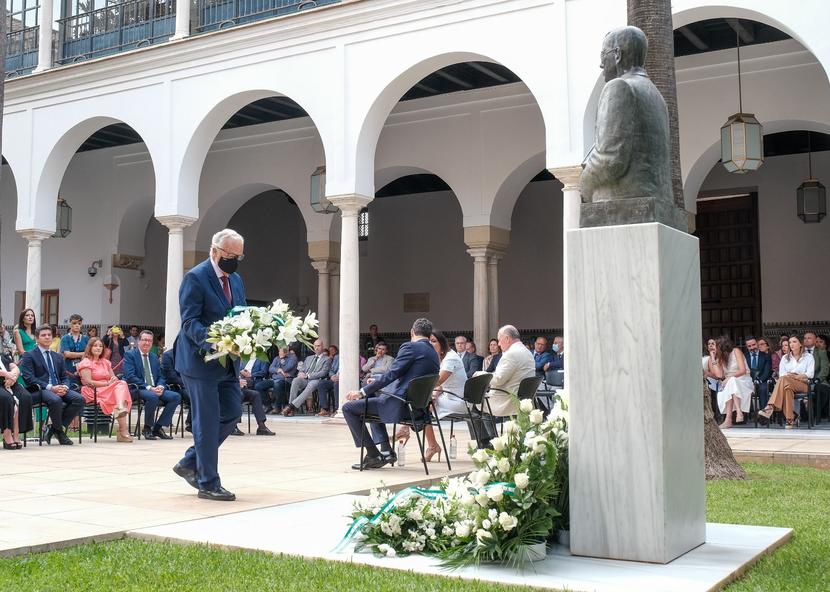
(319, 203)
(811, 195)
(63, 222)
(742, 136)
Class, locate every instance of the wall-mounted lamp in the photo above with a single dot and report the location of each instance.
(92, 270)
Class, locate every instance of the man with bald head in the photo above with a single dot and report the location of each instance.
(208, 293)
(630, 156)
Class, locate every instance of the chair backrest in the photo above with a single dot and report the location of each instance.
(555, 378)
(419, 391)
(528, 387)
(475, 388)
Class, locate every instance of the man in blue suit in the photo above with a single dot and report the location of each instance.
(208, 292)
(173, 379)
(542, 357)
(44, 368)
(415, 358)
(142, 370)
(760, 368)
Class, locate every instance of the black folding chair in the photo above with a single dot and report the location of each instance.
(527, 390)
(93, 412)
(138, 404)
(474, 391)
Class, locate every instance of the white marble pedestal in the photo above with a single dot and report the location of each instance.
(636, 432)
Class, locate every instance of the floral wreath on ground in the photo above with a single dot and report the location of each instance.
(513, 502)
(249, 332)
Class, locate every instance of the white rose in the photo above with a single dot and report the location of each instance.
(482, 534)
(462, 530)
(481, 455)
(486, 524)
(498, 444)
(387, 550)
(539, 445)
(507, 521)
(483, 500)
(504, 465)
(536, 417)
(468, 500)
(521, 480)
(480, 478)
(526, 405)
(493, 514)
(510, 427)
(496, 493)
(279, 308)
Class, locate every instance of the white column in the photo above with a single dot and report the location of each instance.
(350, 206)
(182, 20)
(492, 298)
(34, 262)
(334, 304)
(481, 310)
(175, 273)
(323, 268)
(571, 199)
(46, 23)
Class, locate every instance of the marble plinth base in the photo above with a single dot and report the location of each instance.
(636, 432)
(633, 210)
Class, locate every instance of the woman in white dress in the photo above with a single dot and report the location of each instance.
(729, 366)
(451, 379)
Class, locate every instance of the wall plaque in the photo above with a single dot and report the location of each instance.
(416, 302)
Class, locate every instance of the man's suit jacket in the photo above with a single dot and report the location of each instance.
(202, 302)
(472, 363)
(168, 367)
(334, 370)
(516, 364)
(320, 365)
(763, 370)
(557, 362)
(134, 369)
(34, 371)
(540, 359)
(822, 364)
(288, 365)
(259, 371)
(414, 359)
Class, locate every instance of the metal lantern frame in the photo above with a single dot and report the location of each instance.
(319, 203)
(811, 195)
(63, 219)
(742, 136)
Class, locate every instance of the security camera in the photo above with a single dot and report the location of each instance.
(92, 270)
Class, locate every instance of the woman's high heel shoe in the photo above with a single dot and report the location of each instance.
(402, 435)
(123, 437)
(430, 452)
(12, 446)
(119, 412)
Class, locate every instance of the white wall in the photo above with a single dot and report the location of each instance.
(794, 280)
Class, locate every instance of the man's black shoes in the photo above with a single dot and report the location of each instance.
(370, 462)
(237, 432)
(63, 439)
(161, 434)
(219, 495)
(188, 475)
(148, 434)
(264, 431)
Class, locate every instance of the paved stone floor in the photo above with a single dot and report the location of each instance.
(57, 495)
(771, 445)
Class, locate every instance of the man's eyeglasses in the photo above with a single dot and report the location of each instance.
(605, 52)
(229, 254)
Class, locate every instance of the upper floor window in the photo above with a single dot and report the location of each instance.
(363, 224)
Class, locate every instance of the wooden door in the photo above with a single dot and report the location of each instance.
(730, 273)
(49, 306)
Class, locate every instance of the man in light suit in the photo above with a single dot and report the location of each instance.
(315, 368)
(516, 364)
(44, 368)
(415, 358)
(208, 292)
(760, 368)
(142, 371)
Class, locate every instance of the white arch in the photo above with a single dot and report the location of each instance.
(509, 191)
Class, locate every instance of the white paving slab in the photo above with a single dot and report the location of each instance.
(314, 528)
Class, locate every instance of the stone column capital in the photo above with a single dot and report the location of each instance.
(568, 175)
(485, 254)
(324, 251)
(33, 234)
(324, 266)
(492, 238)
(349, 204)
(176, 222)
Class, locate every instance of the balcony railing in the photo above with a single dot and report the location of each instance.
(220, 14)
(116, 28)
(21, 51)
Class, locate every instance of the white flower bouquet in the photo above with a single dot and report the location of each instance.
(498, 513)
(250, 331)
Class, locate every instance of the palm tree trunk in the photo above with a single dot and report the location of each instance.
(719, 461)
(654, 18)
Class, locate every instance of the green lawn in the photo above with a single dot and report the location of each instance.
(775, 495)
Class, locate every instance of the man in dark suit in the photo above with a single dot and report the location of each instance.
(821, 372)
(44, 368)
(208, 292)
(472, 362)
(415, 358)
(760, 368)
(173, 379)
(143, 370)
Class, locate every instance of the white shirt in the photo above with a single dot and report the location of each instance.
(806, 365)
(249, 366)
(455, 383)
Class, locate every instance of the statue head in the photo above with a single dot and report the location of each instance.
(622, 50)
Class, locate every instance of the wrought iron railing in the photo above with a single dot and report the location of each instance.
(213, 15)
(116, 28)
(21, 51)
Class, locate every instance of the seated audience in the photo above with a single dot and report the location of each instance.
(796, 369)
(44, 368)
(72, 346)
(783, 343)
(24, 332)
(416, 358)
(760, 368)
(736, 384)
(143, 370)
(254, 398)
(172, 378)
(6, 340)
(56, 339)
(116, 346)
(132, 338)
(372, 340)
(283, 370)
(542, 357)
(329, 388)
(493, 356)
(821, 370)
(448, 396)
(99, 381)
(315, 368)
(15, 404)
(557, 354)
(475, 362)
(255, 373)
(377, 365)
(711, 380)
(92, 332)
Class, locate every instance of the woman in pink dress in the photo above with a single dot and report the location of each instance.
(113, 394)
